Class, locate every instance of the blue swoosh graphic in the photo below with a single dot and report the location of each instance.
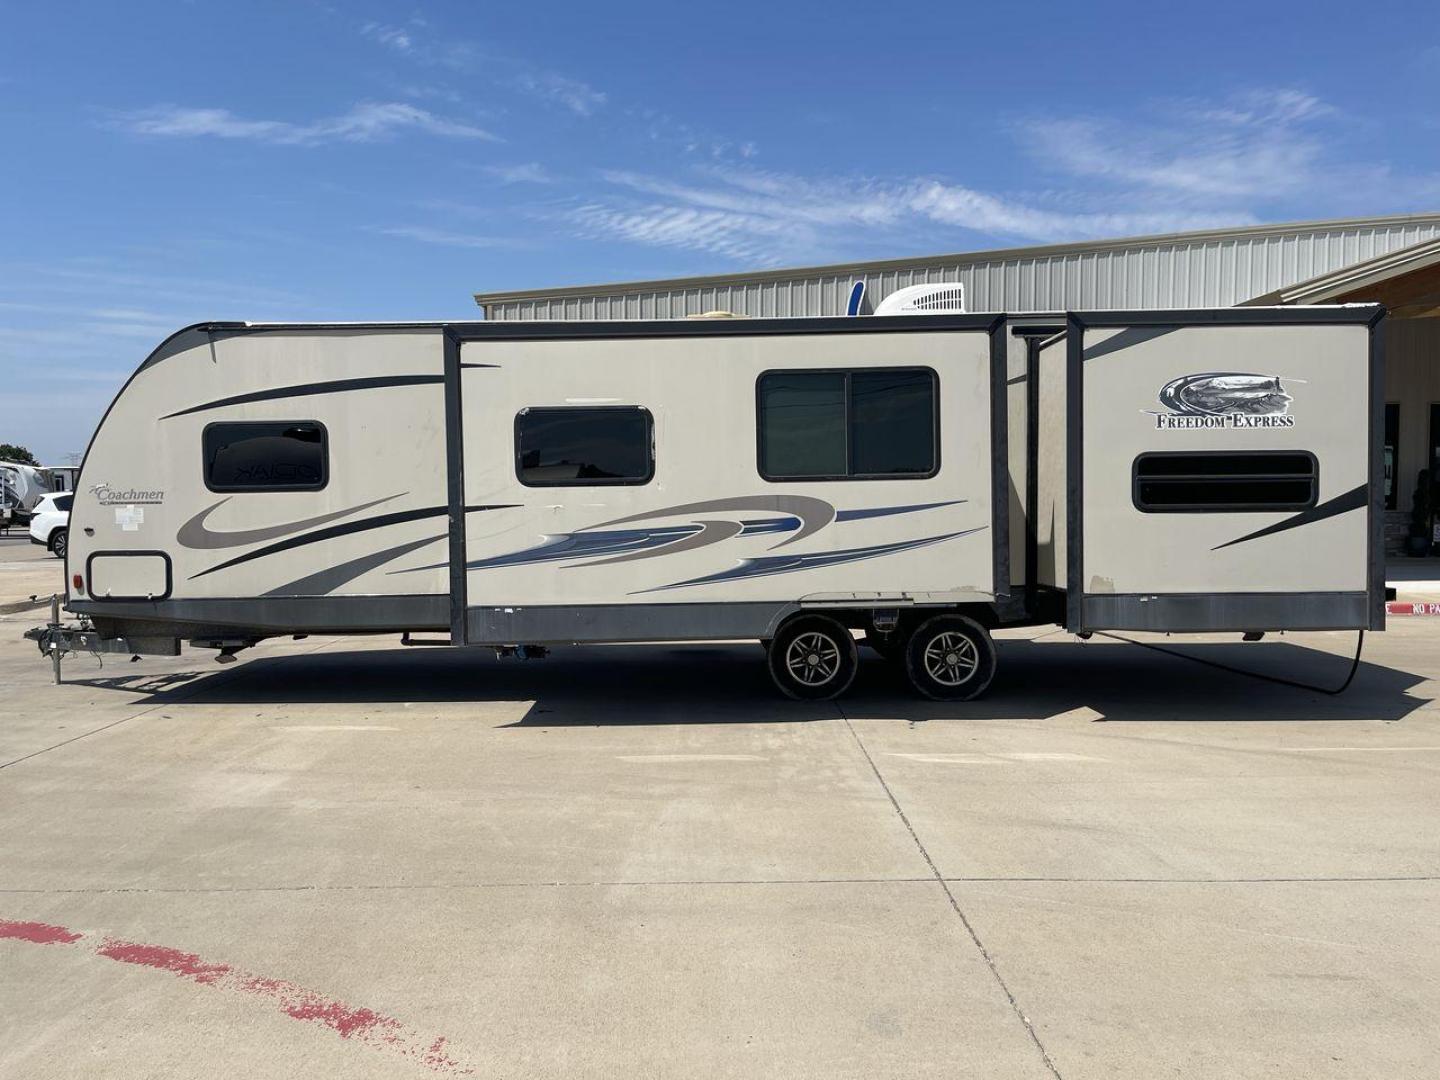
(886, 511)
(596, 545)
(585, 545)
(766, 565)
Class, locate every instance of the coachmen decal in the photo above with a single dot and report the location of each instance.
(113, 496)
(1225, 399)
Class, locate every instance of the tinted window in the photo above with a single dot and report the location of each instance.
(866, 424)
(892, 422)
(62, 502)
(802, 424)
(265, 456)
(576, 447)
(1224, 481)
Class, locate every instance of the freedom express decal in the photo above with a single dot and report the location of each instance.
(1225, 399)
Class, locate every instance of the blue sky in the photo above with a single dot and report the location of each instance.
(169, 162)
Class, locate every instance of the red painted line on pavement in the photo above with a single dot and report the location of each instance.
(349, 1022)
(156, 956)
(1406, 607)
(37, 932)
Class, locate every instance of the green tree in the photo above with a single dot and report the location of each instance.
(16, 455)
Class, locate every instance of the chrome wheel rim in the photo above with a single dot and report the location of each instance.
(812, 659)
(951, 659)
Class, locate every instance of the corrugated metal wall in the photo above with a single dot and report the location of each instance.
(1161, 274)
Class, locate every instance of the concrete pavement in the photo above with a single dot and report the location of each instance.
(342, 858)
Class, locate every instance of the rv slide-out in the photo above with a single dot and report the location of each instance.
(920, 480)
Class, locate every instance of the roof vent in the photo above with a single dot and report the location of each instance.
(925, 300)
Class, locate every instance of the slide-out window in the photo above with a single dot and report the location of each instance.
(1225, 481)
(583, 446)
(266, 455)
(856, 424)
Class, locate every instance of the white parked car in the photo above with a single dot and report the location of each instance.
(50, 523)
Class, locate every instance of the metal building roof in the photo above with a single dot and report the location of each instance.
(1212, 268)
(1358, 277)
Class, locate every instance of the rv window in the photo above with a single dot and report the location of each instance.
(1225, 481)
(865, 424)
(266, 455)
(584, 446)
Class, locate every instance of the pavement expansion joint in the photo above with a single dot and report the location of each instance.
(393, 887)
(954, 903)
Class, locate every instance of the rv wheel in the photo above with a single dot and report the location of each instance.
(950, 658)
(812, 658)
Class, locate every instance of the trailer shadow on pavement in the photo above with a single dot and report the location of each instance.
(1103, 681)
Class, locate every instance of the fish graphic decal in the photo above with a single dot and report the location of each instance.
(1226, 393)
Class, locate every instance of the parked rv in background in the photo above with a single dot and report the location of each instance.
(21, 487)
(920, 479)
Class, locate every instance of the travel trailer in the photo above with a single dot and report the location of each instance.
(21, 487)
(921, 480)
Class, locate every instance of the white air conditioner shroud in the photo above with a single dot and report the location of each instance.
(947, 298)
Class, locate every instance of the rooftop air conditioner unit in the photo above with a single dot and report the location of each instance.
(925, 300)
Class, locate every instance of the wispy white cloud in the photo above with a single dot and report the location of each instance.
(1177, 166)
(394, 37)
(416, 42)
(529, 172)
(1250, 148)
(365, 122)
(741, 237)
(427, 235)
(762, 217)
(579, 97)
(661, 129)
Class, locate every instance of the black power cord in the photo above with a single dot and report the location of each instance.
(1354, 665)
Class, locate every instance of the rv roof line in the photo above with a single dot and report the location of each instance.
(736, 326)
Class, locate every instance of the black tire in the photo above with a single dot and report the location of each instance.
(891, 646)
(950, 658)
(812, 658)
(60, 543)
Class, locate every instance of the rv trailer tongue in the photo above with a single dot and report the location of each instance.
(57, 640)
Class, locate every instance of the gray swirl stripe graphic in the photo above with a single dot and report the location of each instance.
(194, 534)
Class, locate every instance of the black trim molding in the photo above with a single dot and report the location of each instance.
(337, 386)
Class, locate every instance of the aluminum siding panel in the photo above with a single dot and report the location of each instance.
(1202, 273)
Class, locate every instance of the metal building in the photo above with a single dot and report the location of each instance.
(1394, 260)
(1197, 269)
